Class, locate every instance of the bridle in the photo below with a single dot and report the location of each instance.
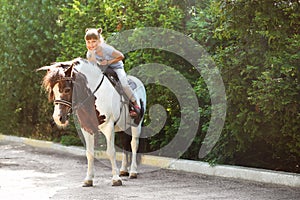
(68, 103)
(61, 101)
(65, 102)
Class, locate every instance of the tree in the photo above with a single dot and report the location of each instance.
(261, 69)
(26, 36)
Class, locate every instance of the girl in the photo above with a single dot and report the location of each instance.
(106, 55)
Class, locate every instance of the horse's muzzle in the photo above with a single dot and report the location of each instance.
(61, 120)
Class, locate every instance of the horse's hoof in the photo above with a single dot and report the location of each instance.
(88, 183)
(116, 183)
(123, 173)
(133, 175)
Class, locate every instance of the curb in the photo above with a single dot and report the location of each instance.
(236, 172)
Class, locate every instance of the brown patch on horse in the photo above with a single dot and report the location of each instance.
(89, 118)
(84, 105)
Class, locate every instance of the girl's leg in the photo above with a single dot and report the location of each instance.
(127, 89)
(124, 82)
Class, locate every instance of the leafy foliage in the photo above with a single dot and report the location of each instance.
(260, 65)
(26, 36)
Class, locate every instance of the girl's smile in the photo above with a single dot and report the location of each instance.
(92, 44)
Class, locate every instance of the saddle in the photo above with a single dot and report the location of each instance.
(113, 78)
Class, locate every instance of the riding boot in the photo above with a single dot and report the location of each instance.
(135, 110)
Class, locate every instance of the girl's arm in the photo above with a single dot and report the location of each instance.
(117, 56)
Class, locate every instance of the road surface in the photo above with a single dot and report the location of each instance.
(28, 172)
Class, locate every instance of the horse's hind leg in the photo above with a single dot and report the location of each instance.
(134, 147)
(125, 139)
(125, 165)
(89, 140)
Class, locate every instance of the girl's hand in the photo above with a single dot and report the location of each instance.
(105, 62)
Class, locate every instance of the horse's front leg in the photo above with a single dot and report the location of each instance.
(134, 147)
(108, 131)
(89, 140)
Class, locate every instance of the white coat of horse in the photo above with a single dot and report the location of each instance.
(60, 81)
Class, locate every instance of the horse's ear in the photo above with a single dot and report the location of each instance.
(44, 68)
(68, 72)
(99, 30)
(53, 66)
(87, 29)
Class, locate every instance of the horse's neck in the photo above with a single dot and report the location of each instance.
(92, 73)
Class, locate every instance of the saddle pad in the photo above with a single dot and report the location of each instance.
(132, 84)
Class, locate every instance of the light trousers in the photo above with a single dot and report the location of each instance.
(124, 82)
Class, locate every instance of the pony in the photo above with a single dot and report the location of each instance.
(81, 87)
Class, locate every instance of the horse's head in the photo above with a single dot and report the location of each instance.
(58, 82)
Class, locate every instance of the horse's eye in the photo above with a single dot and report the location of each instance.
(67, 90)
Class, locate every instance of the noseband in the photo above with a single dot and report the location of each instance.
(63, 102)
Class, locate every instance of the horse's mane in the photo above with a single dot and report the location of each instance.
(50, 79)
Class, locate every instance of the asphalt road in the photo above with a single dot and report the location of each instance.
(28, 172)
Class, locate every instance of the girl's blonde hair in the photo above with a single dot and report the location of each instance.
(92, 33)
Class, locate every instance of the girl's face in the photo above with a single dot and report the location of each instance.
(92, 44)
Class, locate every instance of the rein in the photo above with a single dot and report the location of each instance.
(99, 84)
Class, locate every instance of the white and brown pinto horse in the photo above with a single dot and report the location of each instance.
(80, 86)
